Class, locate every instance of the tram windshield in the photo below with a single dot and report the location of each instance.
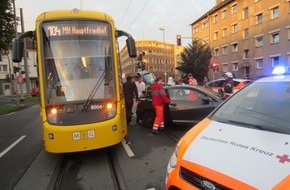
(78, 61)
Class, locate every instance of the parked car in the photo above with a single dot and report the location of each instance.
(35, 91)
(189, 109)
(243, 144)
(238, 84)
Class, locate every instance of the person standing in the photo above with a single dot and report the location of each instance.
(227, 87)
(192, 94)
(205, 80)
(159, 98)
(130, 91)
(191, 80)
(141, 87)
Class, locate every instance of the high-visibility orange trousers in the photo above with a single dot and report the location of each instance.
(159, 118)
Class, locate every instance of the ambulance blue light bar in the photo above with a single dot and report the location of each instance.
(279, 70)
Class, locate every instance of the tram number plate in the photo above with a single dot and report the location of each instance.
(83, 135)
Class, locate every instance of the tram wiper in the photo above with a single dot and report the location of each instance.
(93, 92)
(97, 85)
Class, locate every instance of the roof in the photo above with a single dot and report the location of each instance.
(214, 9)
(275, 78)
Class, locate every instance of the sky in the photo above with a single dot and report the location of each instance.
(141, 18)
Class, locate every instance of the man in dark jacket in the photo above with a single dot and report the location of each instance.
(130, 90)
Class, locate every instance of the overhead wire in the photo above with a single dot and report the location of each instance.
(125, 12)
(138, 14)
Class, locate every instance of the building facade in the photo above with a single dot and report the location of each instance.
(8, 88)
(160, 58)
(247, 37)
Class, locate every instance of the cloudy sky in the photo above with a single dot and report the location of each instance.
(141, 18)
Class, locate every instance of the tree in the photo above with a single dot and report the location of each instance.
(196, 59)
(7, 26)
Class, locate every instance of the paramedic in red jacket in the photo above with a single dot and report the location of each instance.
(159, 98)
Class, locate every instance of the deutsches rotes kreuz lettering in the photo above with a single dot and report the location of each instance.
(238, 145)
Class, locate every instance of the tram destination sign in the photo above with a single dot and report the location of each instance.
(80, 28)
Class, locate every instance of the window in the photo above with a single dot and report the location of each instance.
(4, 68)
(246, 54)
(259, 18)
(215, 18)
(235, 28)
(259, 63)
(215, 35)
(235, 47)
(224, 14)
(224, 31)
(246, 13)
(225, 50)
(275, 61)
(195, 29)
(216, 52)
(246, 33)
(274, 38)
(235, 66)
(259, 41)
(205, 24)
(275, 12)
(234, 9)
(225, 67)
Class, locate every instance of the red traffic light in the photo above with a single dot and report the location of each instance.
(214, 65)
(178, 39)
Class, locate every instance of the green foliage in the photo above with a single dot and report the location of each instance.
(196, 59)
(13, 106)
(5, 109)
(7, 26)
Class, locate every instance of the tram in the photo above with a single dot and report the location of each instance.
(81, 97)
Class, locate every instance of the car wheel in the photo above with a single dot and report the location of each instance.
(148, 118)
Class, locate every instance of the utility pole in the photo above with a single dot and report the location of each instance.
(165, 73)
(26, 69)
(16, 33)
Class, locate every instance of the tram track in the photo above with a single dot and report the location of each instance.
(171, 135)
(98, 169)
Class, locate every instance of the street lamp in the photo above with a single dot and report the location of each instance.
(163, 31)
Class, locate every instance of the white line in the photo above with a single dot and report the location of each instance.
(11, 146)
(127, 148)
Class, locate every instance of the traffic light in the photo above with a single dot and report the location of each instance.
(7, 78)
(213, 66)
(143, 66)
(178, 39)
(16, 69)
(140, 63)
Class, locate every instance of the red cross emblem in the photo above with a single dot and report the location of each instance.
(283, 159)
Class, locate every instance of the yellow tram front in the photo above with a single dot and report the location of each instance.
(82, 104)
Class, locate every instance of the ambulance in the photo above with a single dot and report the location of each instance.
(244, 144)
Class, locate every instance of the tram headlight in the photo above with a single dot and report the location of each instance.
(111, 108)
(52, 115)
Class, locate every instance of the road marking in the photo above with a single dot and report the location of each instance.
(12, 145)
(127, 148)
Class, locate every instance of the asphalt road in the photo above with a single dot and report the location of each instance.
(20, 143)
(142, 156)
